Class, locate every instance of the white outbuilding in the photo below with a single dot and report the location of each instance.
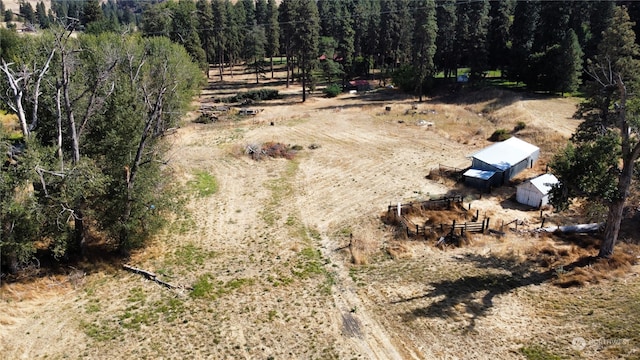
(497, 164)
(535, 192)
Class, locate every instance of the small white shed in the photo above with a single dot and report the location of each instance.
(535, 192)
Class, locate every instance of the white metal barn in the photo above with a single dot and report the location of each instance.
(508, 158)
(535, 192)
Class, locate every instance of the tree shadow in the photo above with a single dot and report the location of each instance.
(95, 257)
(475, 294)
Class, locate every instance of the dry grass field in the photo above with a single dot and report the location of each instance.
(268, 259)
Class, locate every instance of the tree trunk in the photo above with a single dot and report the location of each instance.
(221, 65)
(271, 62)
(257, 78)
(287, 66)
(59, 126)
(75, 144)
(304, 80)
(18, 93)
(614, 216)
(79, 232)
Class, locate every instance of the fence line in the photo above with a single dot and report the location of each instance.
(441, 203)
(413, 229)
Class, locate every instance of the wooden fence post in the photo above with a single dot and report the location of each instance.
(453, 228)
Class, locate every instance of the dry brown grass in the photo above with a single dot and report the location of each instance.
(363, 245)
(573, 262)
(591, 270)
(398, 250)
(9, 123)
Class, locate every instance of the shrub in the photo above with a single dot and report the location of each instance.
(255, 95)
(405, 78)
(519, 126)
(500, 135)
(332, 90)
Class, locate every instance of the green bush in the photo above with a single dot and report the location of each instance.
(255, 95)
(332, 90)
(519, 126)
(500, 135)
(405, 78)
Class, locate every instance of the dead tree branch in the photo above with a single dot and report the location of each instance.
(153, 277)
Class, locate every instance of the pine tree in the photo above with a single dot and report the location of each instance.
(424, 41)
(389, 32)
(599, 166)
(249, 13)
(206, 31)
(471, 36)
(220, 24)
(272, 32)
(91, 12)
(234, 32)
(501, 14)
(254, 50)
(261, 12)
(371, 40)
(446, 58)
(599, 21)
(287, 17)
(525, 22)
(26, 10)
(41, 15)
(184, 30)
(306, 40)
(569, 67)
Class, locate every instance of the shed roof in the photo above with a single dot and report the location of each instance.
(544, 182)
(479, 174)
(506, 153)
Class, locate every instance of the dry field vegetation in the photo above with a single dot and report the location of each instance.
(263, 251)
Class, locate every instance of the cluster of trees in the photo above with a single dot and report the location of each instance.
(543, 44)
(87, 156)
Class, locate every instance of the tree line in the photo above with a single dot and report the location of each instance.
(543, 44)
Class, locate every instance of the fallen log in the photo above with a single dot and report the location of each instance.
(574, 229)
(151, 276)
